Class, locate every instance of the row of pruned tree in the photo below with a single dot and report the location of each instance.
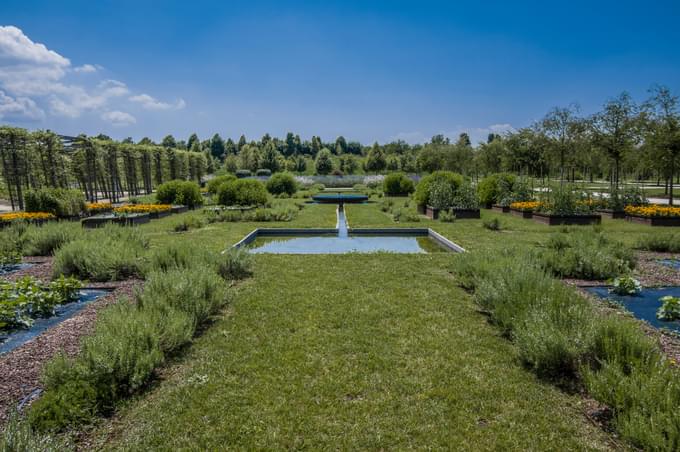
(102, 168)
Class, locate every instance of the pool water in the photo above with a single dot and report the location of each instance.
(673, 263)
(333, 244)
(643, 305)
(11, 268)
(10, 341)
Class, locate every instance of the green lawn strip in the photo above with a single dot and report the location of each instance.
(346, 352)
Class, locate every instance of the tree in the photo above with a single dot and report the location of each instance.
(375, 160)
(269, 157)
(217, 147)
(464, 140)
(663, 131)
(146, 141)
(324, 162)
(440, 139)
(195, 147)
(192, 139)
(614, 130)
(348, 164)
(230, 147)
(241, 142)
(560, 126)
(340, 145)
(169, 142)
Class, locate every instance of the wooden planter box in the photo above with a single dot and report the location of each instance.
(504, 209)
(577, 220)
(4, 224)
(421, 209)
(488, 205)
(654, 221)
(130, 220)
(179, 209)
(460, 214)
(522, 213)
(613, 214)
(157, 215)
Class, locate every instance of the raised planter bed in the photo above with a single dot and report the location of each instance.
(654, 221)
(130, 220)
(179, 209)
(528, 214)
(504, 209)
(421, 209)
(612, 214)
(576, 220)
(460, 214)
(161, 214)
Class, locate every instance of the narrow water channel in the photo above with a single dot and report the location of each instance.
(342, 223)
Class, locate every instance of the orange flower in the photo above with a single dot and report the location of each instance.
(142, 208)
(98, 206)
(525, 205)
(653, 210)
(13, 216)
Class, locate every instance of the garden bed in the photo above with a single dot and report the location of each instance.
(654, 221)
(612, 214)
(460, 214)
(504, 209)
(179, 209)
(528, 214)
(128, 220)
(570, 220)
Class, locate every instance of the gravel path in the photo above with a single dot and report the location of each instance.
(20, 369)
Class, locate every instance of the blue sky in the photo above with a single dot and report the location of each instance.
(365, 70)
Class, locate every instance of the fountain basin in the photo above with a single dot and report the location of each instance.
(340, 198)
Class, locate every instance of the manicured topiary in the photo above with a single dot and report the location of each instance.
(179, 192)
(242, 192)
(281, 183)
(397, 184)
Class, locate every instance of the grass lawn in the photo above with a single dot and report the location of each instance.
(376, 351)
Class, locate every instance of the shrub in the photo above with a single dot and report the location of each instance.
(441, 195)
(243, 173)
(178, 255)
(263, 172)
(243, 192)
(44, 240)
(586, 255)
(447, 216)
(465, 198)
(492, 225)
(398, 184)
(108, 254)
(188, 222)
(12, 240)
(282, 183)
(422, 193)
(495, 187)
(663, 242)
(20, 437)
(179, 192)
(215, 182)
(567, 201)
(60, 202)
(234, 264)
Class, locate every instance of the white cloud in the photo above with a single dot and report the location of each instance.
(118, 118)
(21, 108)
(85, 69)
(34, 78)
(150, 103)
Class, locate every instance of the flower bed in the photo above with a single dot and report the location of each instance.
(570, 220)
(524, 209)
(98, 207)
(142, 208)
(127, 220)
(654, 215)
(33, 217)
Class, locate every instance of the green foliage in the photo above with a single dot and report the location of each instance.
(324, 163)
(58, 201)
(465, 198)
(494, 187)
(214, 183)
(180, 192)
(663, 242)
(441, 195)
(18, 436)
(586, 255)
(626, 285)
(234, 264)
(422, 193)
(12, 240)
(492, 225)
(566, 201)
(282, 183)
(398, 184)
(188, 222)
(178, 256)
(670, 308)
(111, 253)
(27, 298)
(243, 192)
(46, 239)
(447, 216)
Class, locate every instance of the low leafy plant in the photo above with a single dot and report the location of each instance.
(626, 285)
(493, 224)
(670, 309)
(447, 216)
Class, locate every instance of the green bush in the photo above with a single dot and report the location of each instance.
(18, 436)
(465, 198)
(586, 255)
(662, 242)
(243, 192)
(422, 193)
(447, 216)
(178, 255)
(215, 182)
(494, 187)
(234, 264)
(567, 200)
(282, 183)
(12, 240)
(61, 202)
(108, 254)
(492, 225)
(441, 195)
(46, 239)
(179, 192)
(187, 222)
(398, 184)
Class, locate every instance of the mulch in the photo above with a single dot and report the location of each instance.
(20, 369)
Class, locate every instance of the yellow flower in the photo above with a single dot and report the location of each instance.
(525, 205)
(653, 210)
(98, 206)
(13, 216)
(142, 208)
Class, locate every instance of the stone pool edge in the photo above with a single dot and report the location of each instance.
(302, 232)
